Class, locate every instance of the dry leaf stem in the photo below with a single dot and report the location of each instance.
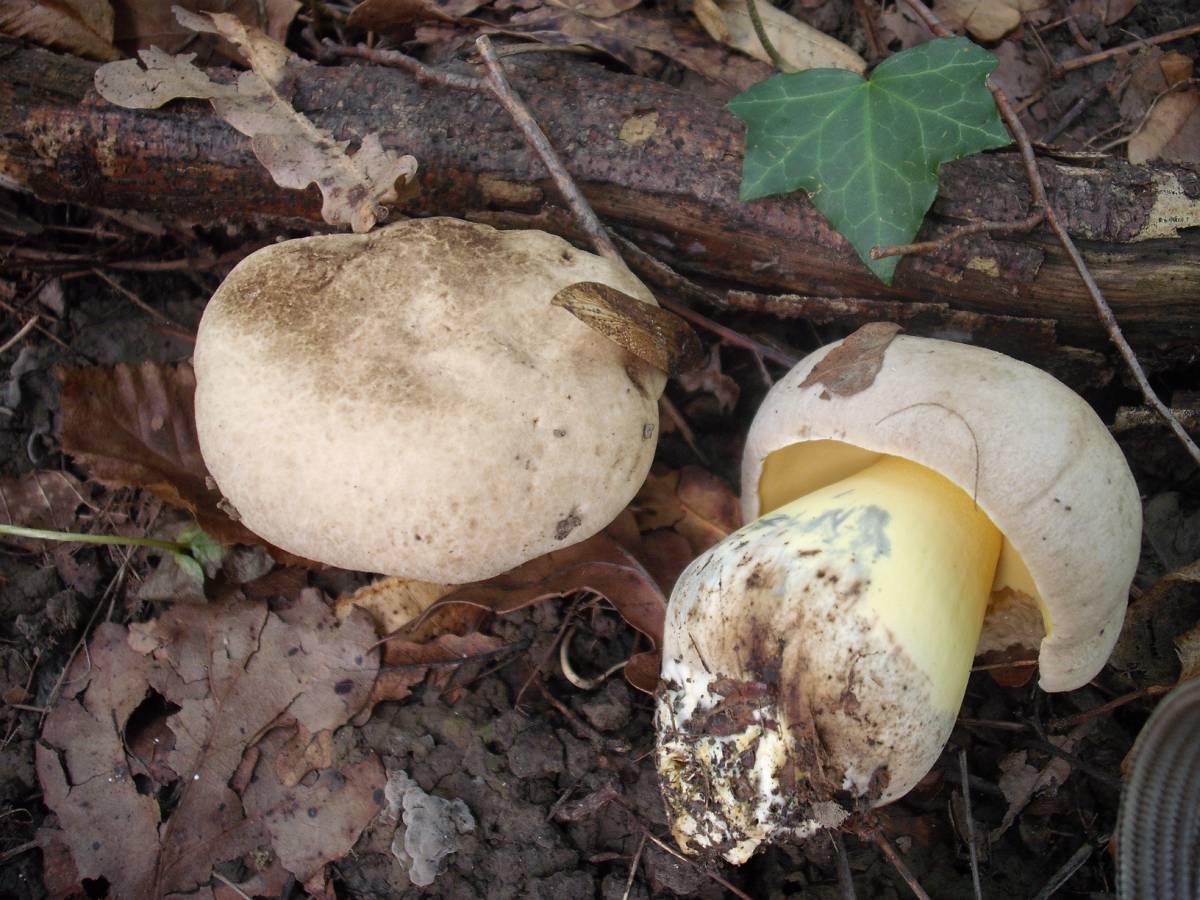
(582, 210)
(1038, 190)
(1093, 58)
(756, 20)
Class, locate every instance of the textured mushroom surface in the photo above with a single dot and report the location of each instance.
(1029, 450)
(409, 401)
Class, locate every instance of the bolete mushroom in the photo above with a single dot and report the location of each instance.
(814, 661)
(409, 401)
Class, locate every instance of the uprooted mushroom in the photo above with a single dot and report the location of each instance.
(814, 661)
(410, 402)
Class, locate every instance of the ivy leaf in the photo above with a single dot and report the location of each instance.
(868, 150)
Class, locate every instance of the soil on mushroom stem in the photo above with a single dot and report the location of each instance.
(523, 770)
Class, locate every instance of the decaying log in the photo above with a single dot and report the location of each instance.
(674, 191)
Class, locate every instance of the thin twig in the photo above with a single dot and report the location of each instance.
(1038, 190)
(1080, 61)
(16, 851)
(1069, 722)
(136, 300)
(21, 332)
(516, 108)
(898, 864)
(662, 845)
(637, 858)
(1065, 871)
(229, 884)
(971, 849)
(845, 878)
(728, 335)
(923, 248)
(776, 57)
(397, 60)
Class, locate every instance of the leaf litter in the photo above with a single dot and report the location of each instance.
(295, 151)
(234, 674)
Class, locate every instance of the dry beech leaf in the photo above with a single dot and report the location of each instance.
(599, 565)
(597, 9)
(853, 365)
(803, 46)
(295, 151)
(235, 671)
(655, 336)
(691, 501)
(988, 20)
(82, 27)
(135, 427)
(41, 499)
(392, 15)
(635, 37)
(153, 23)
(1171, 132)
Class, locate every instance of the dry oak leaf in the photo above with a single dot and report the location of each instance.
(295, 151)
(134, 426)
(84, 27)
(852, 366)
(235, 671)
(153, 23)
(988, 20)
(693, 502)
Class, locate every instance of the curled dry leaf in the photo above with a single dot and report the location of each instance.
(852, 367)
(1171, 132)
(41, 499)
(693, 502)
(988, 20)
(801, 45)
(235, 671)
(652, 334)
(598, 565)
(393, 15)
(295, 151)
(83, 27)
(134, 426)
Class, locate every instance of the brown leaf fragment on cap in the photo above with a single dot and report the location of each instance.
(654, 335)
(852, 367)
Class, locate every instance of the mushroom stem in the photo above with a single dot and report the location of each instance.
(816, 658)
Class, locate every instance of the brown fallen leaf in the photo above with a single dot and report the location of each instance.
(711, 379)
(295, 151)
(83, 27)
(134, 426)
(388, 16)
(1108, 11)
(152, 23)
(1159, 629)
(652, 334)
(41, 499)
(988, 20)
(801, 45)
(852, 366)
(236, 671)
(693, 502)
(597, 9)
(599, 565)
(407, 663)
(1171, 132)
(638, 38)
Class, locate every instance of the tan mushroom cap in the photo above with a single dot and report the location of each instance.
(1032, 452)
(409, 401)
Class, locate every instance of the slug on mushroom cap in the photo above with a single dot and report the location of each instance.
(410, 402)
(814, 661)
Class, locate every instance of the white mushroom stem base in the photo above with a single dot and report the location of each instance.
(815, 660)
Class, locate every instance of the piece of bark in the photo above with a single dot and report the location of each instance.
(674, 192)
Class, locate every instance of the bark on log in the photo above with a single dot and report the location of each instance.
(674, 193)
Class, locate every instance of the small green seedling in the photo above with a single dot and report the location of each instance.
(194, 550)
(867, 150)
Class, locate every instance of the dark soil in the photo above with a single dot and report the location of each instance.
(562, 805)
